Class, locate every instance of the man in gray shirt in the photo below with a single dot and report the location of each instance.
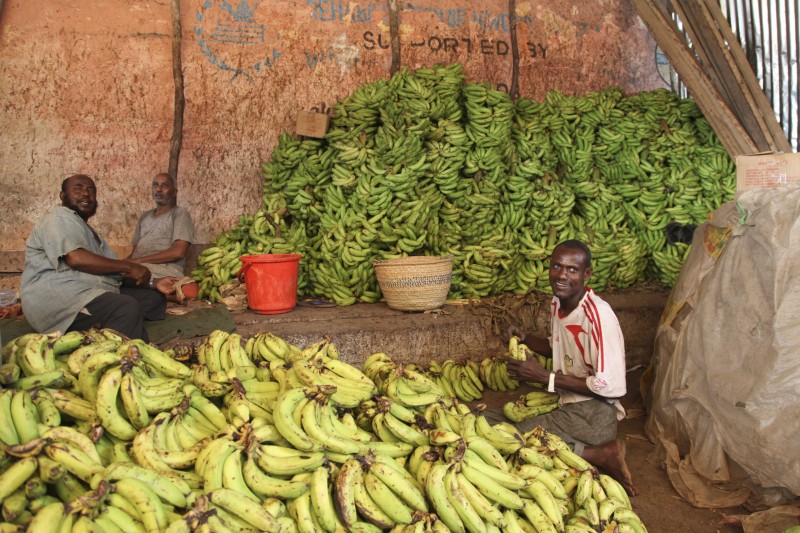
(73, 281)
(163, 234)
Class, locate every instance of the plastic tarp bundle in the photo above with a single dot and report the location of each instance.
(724, 391)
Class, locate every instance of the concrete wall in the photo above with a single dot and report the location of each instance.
(455, 332)
(86, 86)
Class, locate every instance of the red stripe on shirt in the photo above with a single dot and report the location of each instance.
(594, 319)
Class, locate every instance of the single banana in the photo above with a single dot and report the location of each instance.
(267, 486)
(233, 476)
(509, 479)
(283, 417)
(469, 517)
(24, 416)
(491, 488)
(93, 369)
(545, 501)
(387, 500)
(160, 361)
(573, 460)
(344, 491)
(243, 508)
(614, 489)
(537, 517)
(534, 457)
(132, 402)
(48, 412)
(281, 461)
(74, 460)
(167, 489)
(322, 500)
(486, 509)
(583, 491)
(49, 519)
(8, 433)
(147, 503)
(403, 431)
(16, 475)
(399, 481)
(108, 406)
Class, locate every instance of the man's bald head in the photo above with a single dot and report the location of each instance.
(164, 190)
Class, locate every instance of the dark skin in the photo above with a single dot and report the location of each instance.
(568, 276)
(569, 272)
(80, 195)
(165, 195)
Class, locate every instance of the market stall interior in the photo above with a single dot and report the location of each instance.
(489, 267)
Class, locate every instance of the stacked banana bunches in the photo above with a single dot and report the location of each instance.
(102, 433)
(425, 163)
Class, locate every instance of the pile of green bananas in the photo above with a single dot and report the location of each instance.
(424, 163)
(102, 433)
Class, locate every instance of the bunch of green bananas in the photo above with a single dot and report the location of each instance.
(425, 163)
(262, 435)
(529, 405)
(404, 384)
(493, 372)
(458, 380)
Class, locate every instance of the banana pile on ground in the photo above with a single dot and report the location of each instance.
(425, 163)
(102, 433)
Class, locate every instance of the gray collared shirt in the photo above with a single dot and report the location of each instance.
(51, 292)
(155, 234)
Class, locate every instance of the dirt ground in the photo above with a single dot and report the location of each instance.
(658, 504)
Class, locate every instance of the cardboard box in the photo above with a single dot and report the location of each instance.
(310, 124)
(766, 170)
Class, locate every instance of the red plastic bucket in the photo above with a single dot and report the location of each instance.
(271, 282)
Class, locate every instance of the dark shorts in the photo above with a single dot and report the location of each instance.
(592, 422)
(124, 312)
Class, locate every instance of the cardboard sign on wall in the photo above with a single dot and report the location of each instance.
(766, 170)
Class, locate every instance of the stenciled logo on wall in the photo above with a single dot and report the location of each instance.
(233, 37)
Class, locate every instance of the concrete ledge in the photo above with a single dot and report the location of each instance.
(455, 331)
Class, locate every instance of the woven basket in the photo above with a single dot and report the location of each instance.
(417, 283)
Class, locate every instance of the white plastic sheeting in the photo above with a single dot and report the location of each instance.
(724, 403)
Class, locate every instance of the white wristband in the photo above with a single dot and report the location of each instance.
(151, 283)
(551, 385)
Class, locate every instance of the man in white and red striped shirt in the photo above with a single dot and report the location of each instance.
(588, 365)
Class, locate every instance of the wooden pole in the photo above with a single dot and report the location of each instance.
(513, 91)
(719, 115)
(761, 104)
(394, 34)
(176, 141)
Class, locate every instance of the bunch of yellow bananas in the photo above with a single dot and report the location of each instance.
(260, 435)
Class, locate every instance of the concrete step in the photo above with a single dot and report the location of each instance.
(457, 331)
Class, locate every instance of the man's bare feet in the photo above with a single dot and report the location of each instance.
(611, 458)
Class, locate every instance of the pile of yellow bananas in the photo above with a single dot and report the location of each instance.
(102, 433)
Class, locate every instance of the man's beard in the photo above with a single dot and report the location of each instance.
(81, 212)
